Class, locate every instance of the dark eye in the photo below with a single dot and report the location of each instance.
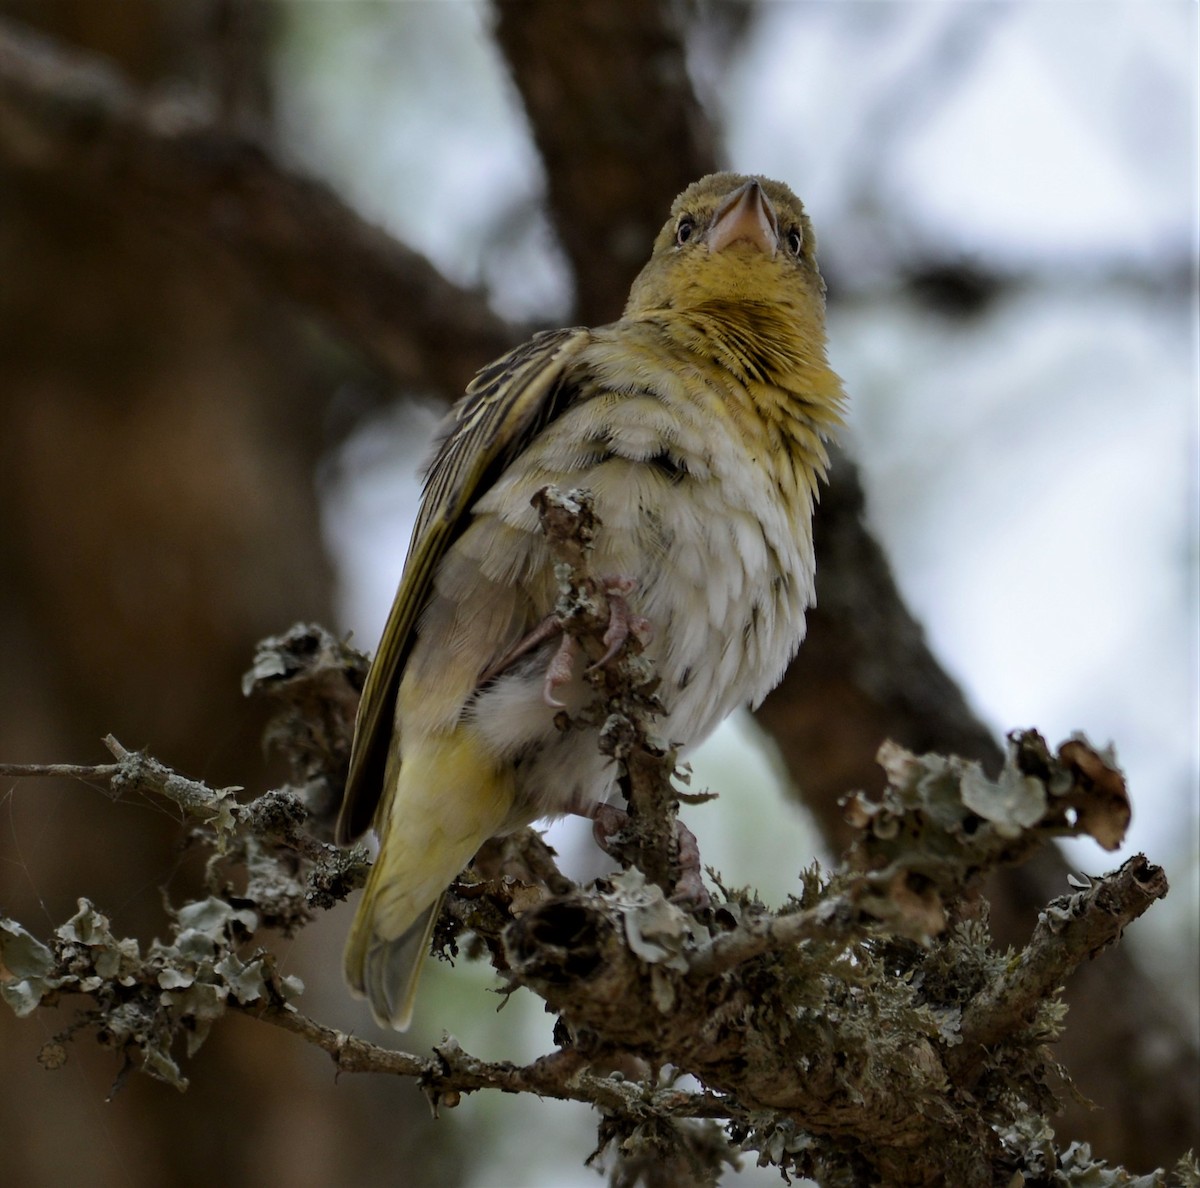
(684, 229)
(794, 241)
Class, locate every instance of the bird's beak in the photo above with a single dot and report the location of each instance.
(746, 214)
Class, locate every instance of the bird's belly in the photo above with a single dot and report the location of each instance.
(711, 526)
(723, 583)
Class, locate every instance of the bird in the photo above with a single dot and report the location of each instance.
(699, 422)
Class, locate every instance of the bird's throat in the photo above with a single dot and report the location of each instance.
(758, 342)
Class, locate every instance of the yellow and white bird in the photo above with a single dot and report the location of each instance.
(698, 423)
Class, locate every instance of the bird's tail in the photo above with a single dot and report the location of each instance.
(448, 800)
(386, 972)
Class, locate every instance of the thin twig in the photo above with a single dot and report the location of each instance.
(452, 1070)
(1070, 930)
(102, 772)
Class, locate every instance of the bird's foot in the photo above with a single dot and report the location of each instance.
(608, 820)
(548, 628)
(559, 671)
(622, 622)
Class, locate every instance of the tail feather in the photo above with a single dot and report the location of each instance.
(448, 800)
(386, 972)
(383, 965)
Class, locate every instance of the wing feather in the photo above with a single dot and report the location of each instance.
(507, 403)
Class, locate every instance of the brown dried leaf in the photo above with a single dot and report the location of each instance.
(1098, 792)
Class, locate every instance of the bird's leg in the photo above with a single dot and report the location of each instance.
(560, 668)
(608, 820)
(622, 623)
(548, 628)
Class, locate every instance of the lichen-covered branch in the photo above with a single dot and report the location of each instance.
(866, 1031)
(1070, 930)
(625, 706)
(452, 1072)
(866, 673)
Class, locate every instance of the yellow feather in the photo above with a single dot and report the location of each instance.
(449, 799)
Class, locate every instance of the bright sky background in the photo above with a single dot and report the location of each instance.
(1033, 475)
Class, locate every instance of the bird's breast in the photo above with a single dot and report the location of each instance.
(699, 505)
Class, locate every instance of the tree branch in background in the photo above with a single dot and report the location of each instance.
(590, 74)
(864, 673)
(71, 111)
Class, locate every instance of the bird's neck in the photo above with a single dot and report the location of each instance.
(785, 394)
(774, 350)
(759, 342)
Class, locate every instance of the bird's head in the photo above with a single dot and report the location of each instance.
(732, 240)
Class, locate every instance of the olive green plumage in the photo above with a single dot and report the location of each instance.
(698, 422)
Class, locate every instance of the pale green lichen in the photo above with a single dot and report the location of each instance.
(142, 1005)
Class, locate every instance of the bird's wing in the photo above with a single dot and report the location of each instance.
(507, 403)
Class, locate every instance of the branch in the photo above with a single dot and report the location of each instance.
(921, 847)
(314, 680)
(73, 113)
(68, 114)
(757, 935)
(1070, 930)
(606, 87)
(870, 1012)
(452, 1072)
(625, 707)
(137, 772)
(628, 971)
(865, 674)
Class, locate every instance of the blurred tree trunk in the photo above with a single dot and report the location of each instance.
(162, 426)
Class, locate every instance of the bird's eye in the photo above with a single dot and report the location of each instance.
(684, 229)
(794, 241)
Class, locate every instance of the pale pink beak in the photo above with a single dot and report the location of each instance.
(746, 214)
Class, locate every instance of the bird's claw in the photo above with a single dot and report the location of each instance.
(548, 628)
(622, 622)
(689, 890)
(559, 671)
(608, 820)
